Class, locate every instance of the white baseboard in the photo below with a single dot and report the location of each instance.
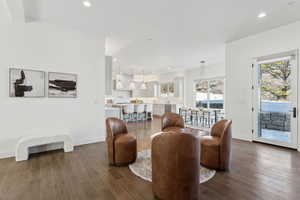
(242, 138)
(7, 155)
(89, 141)
(76, 143)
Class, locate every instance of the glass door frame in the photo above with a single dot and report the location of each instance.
(256, 101)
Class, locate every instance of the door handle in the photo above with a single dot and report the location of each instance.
(294, 112)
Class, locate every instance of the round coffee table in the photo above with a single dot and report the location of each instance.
(192, 131)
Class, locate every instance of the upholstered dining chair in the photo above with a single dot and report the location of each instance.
(175, 166)
(121, 146)
(216, 148)
(171, 122)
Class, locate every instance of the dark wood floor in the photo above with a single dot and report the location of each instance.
(258, 172)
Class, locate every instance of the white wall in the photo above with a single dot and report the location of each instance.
(239, 57)
(205, 72)
(49, 48)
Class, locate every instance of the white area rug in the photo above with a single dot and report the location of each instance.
(143, 168)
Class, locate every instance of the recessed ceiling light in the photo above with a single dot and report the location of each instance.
(87, 3)
(261, 15)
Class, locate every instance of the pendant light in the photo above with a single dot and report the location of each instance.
(143, 86)
(119, 82)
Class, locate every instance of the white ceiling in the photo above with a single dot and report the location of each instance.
(183, 32)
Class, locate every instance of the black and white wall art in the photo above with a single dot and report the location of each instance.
(26, 83)
(62, 85)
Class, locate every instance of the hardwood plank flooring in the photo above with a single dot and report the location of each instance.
(258, 171)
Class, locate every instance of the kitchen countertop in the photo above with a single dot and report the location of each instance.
(167, 103)
(118, 105)
(112, 108)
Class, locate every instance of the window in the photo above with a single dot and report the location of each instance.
(210, 93)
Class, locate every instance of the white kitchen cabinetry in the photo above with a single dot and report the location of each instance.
(112, 112)
(151, 91)
(125, 80)
(158, 109)
(137, 92)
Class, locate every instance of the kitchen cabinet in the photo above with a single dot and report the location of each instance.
(158, 109)
(113, 112)
(151, 91)
(161, 109)
(125, 80)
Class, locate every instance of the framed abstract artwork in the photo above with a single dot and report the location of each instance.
(62, 85)
(26, 83)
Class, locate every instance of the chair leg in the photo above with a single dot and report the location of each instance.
(131, 117)
(135, 116)
(125, 117)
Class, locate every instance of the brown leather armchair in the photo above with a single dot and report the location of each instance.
(175, 166)
(171, 122)
(121, 146)
(216, 148)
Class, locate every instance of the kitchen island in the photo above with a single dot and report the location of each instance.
(116, 110)
(161, 109)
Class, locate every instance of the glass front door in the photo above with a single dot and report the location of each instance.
(275, 108)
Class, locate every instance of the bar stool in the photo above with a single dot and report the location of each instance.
(183, 112)
(128, 112)
(203, 118)
(194, 116)
(149, 111)
(139, 110)
(189, 117)
(206, 116)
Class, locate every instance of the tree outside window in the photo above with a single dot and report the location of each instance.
(275, 81)
(210, 93)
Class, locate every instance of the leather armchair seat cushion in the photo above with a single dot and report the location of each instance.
(124, 138)
(216, 149)
(210, 141)
(210, 149)
(125, 149)
(121, 146)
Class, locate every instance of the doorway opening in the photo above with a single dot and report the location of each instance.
(275, 100)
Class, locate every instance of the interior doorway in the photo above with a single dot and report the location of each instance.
(275, 99)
